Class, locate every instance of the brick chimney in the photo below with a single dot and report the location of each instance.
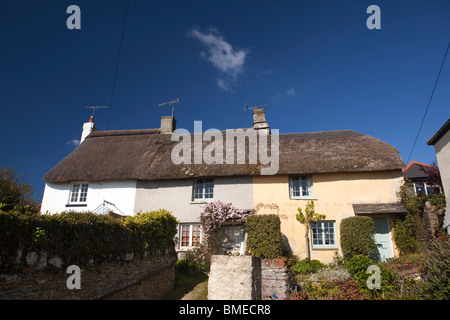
(88, 127)
(259, 120)
(168, 124)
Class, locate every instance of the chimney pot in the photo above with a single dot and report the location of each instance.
(88, 127)
(259, 120)
(168, 124)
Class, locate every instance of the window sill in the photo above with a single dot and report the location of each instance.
(305, 198)
(325, 249)
(73, 205)
(201, 201)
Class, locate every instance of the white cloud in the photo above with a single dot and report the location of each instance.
(223, 84)
(222, 55)
(279, 96)
(290, 92)
(74, 142)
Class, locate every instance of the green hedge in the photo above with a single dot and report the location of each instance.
(264, 236)
(357, 236)
(78, 237)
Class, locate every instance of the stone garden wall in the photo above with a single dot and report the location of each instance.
(45, 278)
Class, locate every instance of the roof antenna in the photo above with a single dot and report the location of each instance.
(95, 108)
(246, 107)
(170, 102)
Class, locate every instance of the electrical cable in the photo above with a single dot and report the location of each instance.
(428, 105)
(117, 65)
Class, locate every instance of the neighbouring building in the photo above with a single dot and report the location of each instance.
(421, 181)
(441, 143)
(131, 171)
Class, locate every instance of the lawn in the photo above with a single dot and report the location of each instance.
(189, 285)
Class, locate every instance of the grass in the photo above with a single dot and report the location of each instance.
(194, 283)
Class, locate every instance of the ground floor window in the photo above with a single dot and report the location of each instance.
(323, 234)
(190, 235)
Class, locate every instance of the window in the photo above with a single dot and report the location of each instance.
(190, 235)
(300, 187)
(203, 189)
(78, 193)
(323, 234)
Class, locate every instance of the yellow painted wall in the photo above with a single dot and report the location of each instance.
(334, 195)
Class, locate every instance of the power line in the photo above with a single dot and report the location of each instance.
(117, 64)
(429, 101)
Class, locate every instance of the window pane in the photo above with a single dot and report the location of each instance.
(317, 233)
(198, 189)
(209, 189)
(83, 193)
(420, 188)
(295, 187)
(329, 233)
(74, 195)
(195, 235)
(305, 186)
(185, 235)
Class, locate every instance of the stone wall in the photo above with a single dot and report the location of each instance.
(150, 277)
(275, 282)
(234, 278)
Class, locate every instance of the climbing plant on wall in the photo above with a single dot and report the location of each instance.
(213, 216)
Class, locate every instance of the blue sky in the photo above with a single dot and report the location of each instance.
(315, 63)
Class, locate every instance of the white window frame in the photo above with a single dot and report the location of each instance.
(78, 189)
(191, 231)
(203, 189)
(323, 233)
(302, 180)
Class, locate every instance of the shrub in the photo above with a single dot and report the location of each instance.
(77, 237)
(404, 236)
(435, 284)
(348, 290)
(357, 236)
(196, 259)
(264, 236)
(307, 266)
(357, 266)
(331, 274)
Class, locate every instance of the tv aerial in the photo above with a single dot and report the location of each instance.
(95, 108)
(246, 107)
(173, 102)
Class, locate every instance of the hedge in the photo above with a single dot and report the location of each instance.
(357, 236)
(78, 237)
(264, 236)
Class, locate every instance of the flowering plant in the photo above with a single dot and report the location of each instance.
(214, 215)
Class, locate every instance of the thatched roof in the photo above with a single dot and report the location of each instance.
(146, 155)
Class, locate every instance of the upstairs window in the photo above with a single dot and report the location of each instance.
(78, 193)
(300, 187)
(203, 189)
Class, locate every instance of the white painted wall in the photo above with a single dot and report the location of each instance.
(176, 196)
(442, 148)
(121, 193)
